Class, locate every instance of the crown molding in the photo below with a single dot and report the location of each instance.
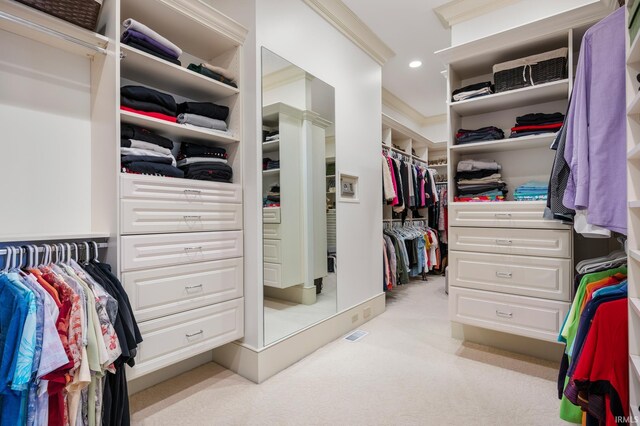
(342, 18)
(457, 11)
(395, 103)
(405, 131)
(201, 12)
(283, 77)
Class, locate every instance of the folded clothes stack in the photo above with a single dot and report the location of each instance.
(220, 74)
(143, 38)
(479, 180)
(149, 102)
(204, 163)
(472, 91)
(269, 164)
(144, 152)
(537, 123)
(204, 115)
(490, 133)
(531, 191)
(271, 136)
(273, 197)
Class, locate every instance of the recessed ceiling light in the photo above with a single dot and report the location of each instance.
(415, 64)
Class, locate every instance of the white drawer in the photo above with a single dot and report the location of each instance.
(271, 231)
(152, 251)
(177, 337)
(173, 189)
(149, 216)
(273, 274)
(533, 242)
(525, 316)
(271, 215)
(159, 292)
(272, 251)
(508, 214)
(542, 277)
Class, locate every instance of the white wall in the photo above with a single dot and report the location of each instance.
(514, 15)
(436, 132)
(292, 30)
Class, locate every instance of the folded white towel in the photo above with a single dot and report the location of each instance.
(222, 71)
(132, 24)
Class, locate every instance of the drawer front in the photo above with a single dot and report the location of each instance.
(159, 292)
(271, 231)
(531, 242)
(272, 251)
(525, 316)
(172, 189)
(149, 216)
(273, 274)
(152, 251)
(177, 337)
(504, 214)
(542, 277)
(271, 215)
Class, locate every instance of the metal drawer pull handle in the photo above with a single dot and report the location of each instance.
(504, 274)
(192, 217)
(504, 242)
(504, 314)
(191, 287)
(194, 334)
(193, 191)
(503, 215)
(190, 249)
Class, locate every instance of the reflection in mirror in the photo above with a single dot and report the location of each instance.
(299, 196)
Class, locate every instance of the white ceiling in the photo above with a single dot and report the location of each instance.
(413, 31)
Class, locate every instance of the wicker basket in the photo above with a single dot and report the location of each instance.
(83, 13)
(532, 70)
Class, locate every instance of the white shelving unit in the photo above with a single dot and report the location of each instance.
(633, 195)
(483, 277)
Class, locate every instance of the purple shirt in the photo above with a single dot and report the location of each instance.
(596, 128)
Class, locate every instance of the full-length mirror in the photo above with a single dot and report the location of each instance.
(299, 198)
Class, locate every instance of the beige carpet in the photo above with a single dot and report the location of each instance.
(407, 371)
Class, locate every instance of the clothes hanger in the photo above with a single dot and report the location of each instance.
(95, 247)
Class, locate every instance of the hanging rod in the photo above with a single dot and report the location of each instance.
(40, 248)
(51, 32)
(400, 220)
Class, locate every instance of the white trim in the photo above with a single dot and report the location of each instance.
(396, 125)
(283, 77)
(341, 17)
(573, 18)
(395, 103)
(457, 11)
(201, 12)
(258, 365)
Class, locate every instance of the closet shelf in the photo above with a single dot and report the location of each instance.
(634, 204)
(44, 28)
(547, 92)
(634, 153)
(635, 254)
(149, 70)
(635, 305)
(177, 132)
(436, 166)
(634, 106)
(635, 363)
(489, 204)
(271, 146)
(515, 144)
(272, 172)
(330, 176)
(14, 238)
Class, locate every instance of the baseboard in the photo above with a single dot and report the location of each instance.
(296, 294)
(258, 365)
(143, 382)
(551, 351)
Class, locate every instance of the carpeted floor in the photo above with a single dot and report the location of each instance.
(407, 371)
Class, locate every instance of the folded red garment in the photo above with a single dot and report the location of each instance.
(150, 114)
(537, 127)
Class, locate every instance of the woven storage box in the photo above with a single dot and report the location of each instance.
(83, 13)
(532, 70)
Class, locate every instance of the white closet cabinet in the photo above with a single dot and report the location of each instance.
(633, 195)
(510, 269)
(181, 253)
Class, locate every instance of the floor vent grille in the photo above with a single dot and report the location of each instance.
(356, 335)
